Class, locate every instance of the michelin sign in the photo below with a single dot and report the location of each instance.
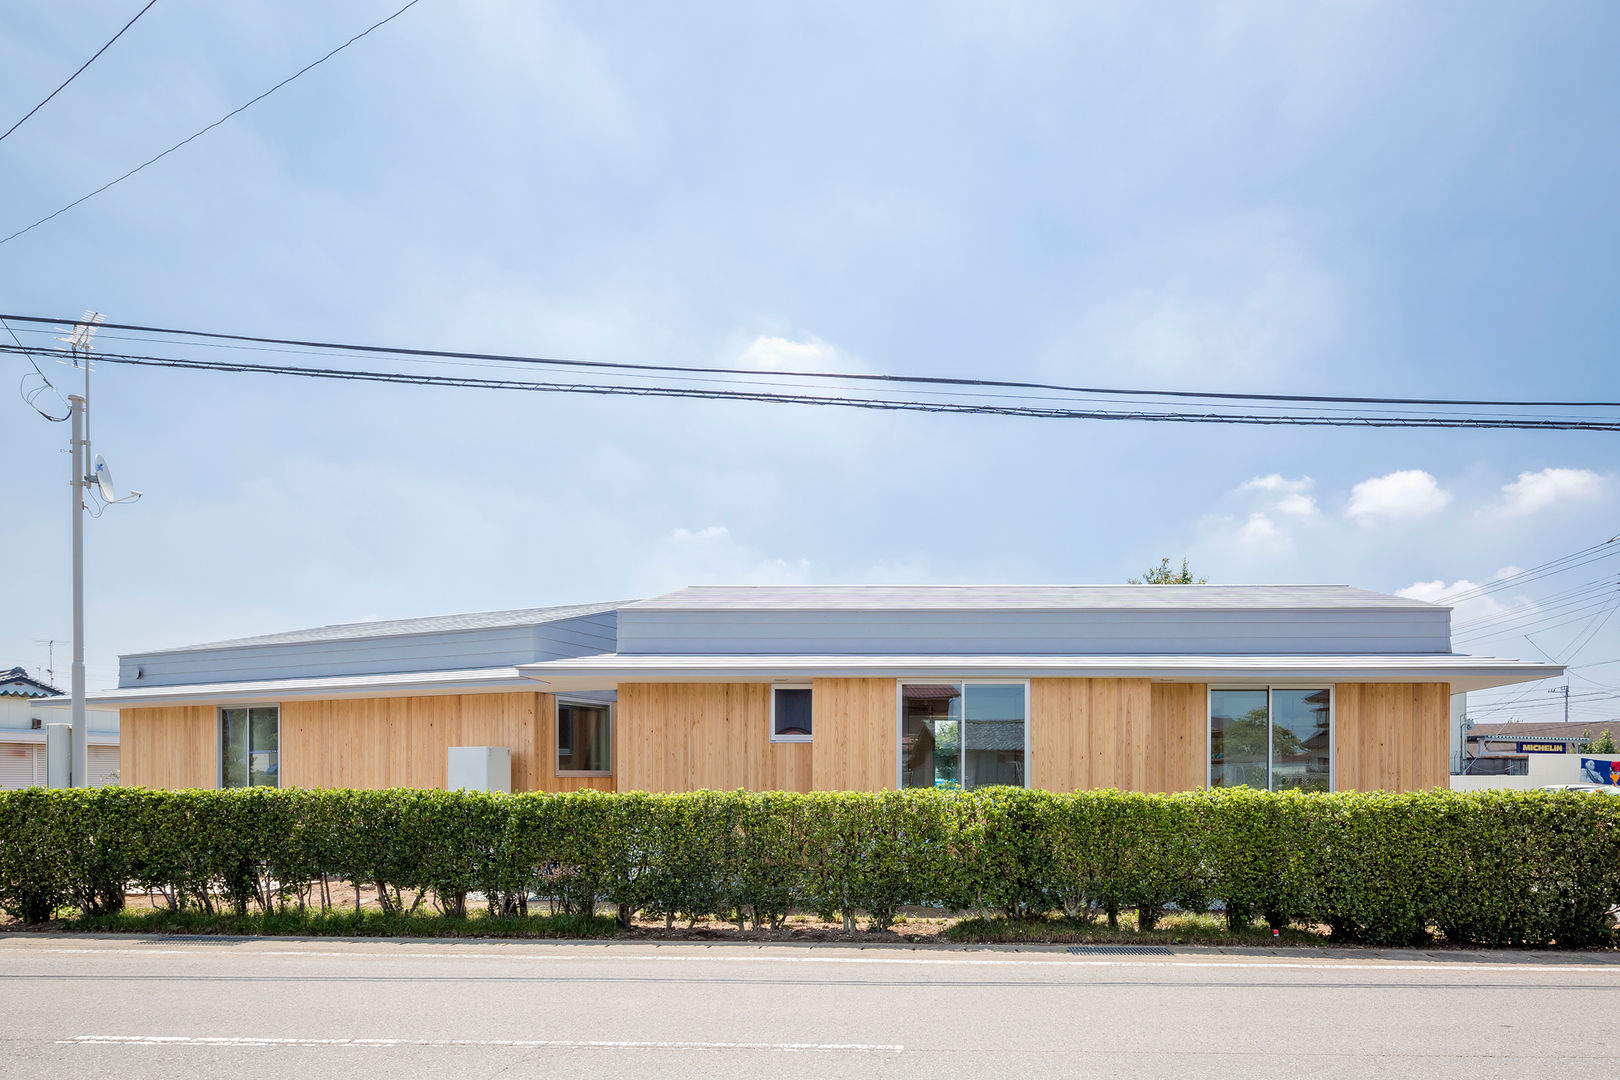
(1600, 770)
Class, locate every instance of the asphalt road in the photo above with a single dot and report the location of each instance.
(125, 1008)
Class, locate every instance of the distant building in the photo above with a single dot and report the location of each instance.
(1530, 754)
(22, 733)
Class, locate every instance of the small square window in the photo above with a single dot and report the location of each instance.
(584, 739)
(790, 714)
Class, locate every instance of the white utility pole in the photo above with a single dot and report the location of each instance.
(80, 775)
(79, 406)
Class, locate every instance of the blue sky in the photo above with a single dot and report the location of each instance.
(1358, 197)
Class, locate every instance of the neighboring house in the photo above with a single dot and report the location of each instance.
(1149, 688)
(22, 733)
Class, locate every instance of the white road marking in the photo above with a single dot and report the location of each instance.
(526, 1044)
(942, 961)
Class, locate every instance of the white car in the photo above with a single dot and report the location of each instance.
(1590, 789)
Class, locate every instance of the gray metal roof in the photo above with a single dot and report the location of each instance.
(475, 620)
(1023, 597)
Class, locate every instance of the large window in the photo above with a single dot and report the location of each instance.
(584, 738)
(790, 714)
(962, 735)
(250, 747)
(1274, 738)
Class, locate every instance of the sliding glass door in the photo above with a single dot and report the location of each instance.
(963, 735)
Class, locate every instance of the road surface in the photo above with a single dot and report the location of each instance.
(131, 1008)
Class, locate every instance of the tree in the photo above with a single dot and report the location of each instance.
(1164, 574)
(1603, 744)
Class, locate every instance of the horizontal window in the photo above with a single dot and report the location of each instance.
(584, 738)
(790, 714)
(962, 735)
(1273, 739)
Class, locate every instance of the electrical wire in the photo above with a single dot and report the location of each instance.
(882, 404)
(1555, 566)
(210, 127)
(76, 74)
(850, 375)
(29, 396)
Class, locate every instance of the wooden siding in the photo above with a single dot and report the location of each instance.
(172, 746)
(685, 736)
(857, 728)
(1391, 736)
(358, 743)
(1178, 737)
(1120, 733)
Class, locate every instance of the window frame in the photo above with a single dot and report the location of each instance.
(1268, 687)
(219, 742)
(900, 721)
(556, 734)
(775, 738)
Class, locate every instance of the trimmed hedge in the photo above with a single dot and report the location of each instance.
(1486, 868)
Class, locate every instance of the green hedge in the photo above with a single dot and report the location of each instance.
(1488, 868)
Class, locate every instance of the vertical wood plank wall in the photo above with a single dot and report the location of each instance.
(357, 743)
(685, 736)
(168, 747)
(1393, 736)
(1083, 733)
(1130, 734)
(857, 730)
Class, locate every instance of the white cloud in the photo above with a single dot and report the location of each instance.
(690, 536)
(1534, 492)
(779, 354)
(1284, 495)
(1407, 493)
(1259, 529)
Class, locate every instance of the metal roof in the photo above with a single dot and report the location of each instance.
(475, 620)
(1023, 597)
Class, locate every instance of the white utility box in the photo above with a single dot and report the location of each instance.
(480, 768)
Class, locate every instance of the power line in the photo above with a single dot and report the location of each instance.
(882, 404)
(210, 127)
(76, 74)
(1546, 569)
(941, 380)
(28, 396)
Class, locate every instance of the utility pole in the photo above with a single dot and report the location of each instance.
(1565, 691)
(80, 773)
(79, 406)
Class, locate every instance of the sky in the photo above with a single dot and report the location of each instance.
(1359, 197)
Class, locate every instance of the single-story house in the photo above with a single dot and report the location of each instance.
(1142, 687)
(22, 733)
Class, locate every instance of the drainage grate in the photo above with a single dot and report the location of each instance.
(191, 939)
(1120, 950)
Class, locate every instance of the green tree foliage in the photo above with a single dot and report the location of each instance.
(1484, 868)
(1603, 744)
(1165, 574)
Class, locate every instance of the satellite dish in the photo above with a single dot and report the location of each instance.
(104, 481)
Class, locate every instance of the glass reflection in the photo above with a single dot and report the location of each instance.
(1237, 738)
